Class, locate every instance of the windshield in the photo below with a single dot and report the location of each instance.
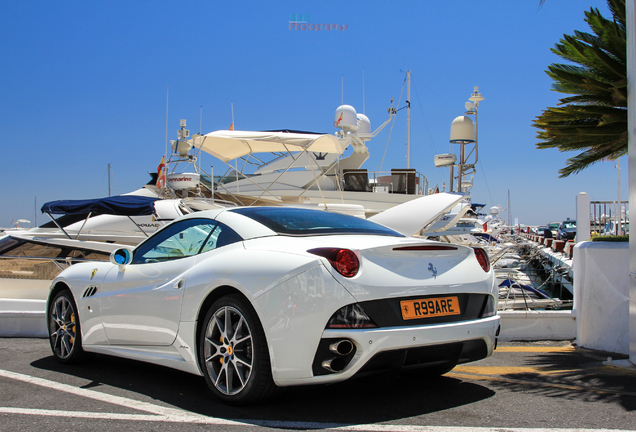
(569, 224)
(297, 221)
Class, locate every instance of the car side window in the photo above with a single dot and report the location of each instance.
(179, 240)
(221, 236)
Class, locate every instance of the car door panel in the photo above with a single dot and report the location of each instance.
(142, 304)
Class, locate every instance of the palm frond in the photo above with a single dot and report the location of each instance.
(592, 119)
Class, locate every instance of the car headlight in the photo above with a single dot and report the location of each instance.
(350, 317)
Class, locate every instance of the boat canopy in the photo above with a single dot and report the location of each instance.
(227, 145)
(123, 205)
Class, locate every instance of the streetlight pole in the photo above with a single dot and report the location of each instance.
(408, 119)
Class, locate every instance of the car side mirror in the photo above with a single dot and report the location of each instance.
(121, 257)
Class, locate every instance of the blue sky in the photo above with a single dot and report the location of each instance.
(84, 85)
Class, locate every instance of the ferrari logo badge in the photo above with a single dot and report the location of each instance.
(433, 270)
(93, 273)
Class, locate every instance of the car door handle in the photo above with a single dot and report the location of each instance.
(179, 284)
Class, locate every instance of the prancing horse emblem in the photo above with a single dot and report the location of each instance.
(433, 270)
(95, 271)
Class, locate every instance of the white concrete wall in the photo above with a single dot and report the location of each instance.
(23, 318)
(537, 325)
(630, 11)
(582, 217)
(601, 295)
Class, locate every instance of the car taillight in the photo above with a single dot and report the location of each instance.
(482, 258)
(345, 261)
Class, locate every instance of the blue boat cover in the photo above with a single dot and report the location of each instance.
(539, 292)
(123, 205)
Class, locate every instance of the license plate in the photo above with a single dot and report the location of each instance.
(429, 308)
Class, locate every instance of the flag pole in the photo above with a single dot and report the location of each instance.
(167, 99)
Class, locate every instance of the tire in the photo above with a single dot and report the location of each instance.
(65, 333)
(233, 353)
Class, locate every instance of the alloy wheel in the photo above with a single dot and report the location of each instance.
(63, 327)
(228, 350)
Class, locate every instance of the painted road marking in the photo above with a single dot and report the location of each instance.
(507, 370)
(166, 414)
(535, 349)
(493, 373)
(541, 384)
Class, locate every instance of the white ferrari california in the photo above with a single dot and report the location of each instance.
(257, 298)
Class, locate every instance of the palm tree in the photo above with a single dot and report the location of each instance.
(594, 120)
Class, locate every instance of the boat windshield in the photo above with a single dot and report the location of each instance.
(298, 221)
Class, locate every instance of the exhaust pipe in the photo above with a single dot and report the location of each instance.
(343, 347)
(334, 364)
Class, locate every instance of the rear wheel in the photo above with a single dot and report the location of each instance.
(64, 329)
(233, 352)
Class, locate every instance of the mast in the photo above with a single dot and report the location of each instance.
(408, 119)
(619, 214)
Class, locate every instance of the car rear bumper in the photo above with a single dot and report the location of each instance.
(376, 350)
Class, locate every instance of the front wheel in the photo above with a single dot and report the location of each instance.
(233, 352)
(64, 329)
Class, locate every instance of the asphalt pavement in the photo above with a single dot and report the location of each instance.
(546, 386)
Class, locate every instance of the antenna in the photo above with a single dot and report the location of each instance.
(232, 104)
(200, 129)
(167, 99)
(363, 106)
(342, 102)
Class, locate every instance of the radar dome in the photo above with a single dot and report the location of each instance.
(447, 159)
(364, 124)
(462, 130)
(346, 118)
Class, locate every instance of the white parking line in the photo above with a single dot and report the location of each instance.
(165, 414)
(161, 413)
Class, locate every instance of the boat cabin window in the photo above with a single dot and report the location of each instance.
(8, 243)
(28, 249)
(88, 255)
(22, 259)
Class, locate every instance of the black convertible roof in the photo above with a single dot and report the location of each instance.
(123, 205)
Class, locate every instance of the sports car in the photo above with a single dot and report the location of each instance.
(257, 298)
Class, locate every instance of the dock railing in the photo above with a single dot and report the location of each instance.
(608, 218)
